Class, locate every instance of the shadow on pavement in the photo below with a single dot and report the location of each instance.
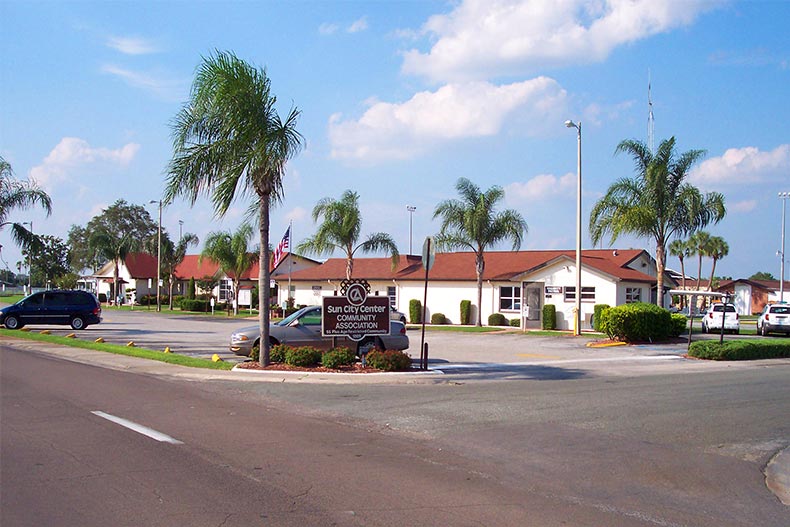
(509, 372)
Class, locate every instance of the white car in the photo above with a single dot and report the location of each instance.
(775, 318)
(712, 319)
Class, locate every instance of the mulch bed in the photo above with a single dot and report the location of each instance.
(355, 368)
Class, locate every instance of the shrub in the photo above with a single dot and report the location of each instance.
(740, 349)
(415, 311)
(390, 360)
(549, 316)
(515, 322)
(679, 325)
(438, 319)
(103, 298)
(337, 357)
(597, 310)
(276, 353)
(303, 356)
(195, 305)
(636, 322)
(466, 312)
(191, 289)
(497, 319)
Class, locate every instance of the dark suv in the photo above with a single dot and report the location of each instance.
(79, 309)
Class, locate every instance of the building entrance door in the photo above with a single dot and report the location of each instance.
(532, 305)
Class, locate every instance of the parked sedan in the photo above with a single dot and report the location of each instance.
(775, 318)
(303, 328)
(712, 319)
(79, 309)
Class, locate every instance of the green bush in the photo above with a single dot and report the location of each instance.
(415, 311)
(390, 360)
(636, 322)
(195, 305)
(679, 325)
(303, 356)
(597, 310)
(337, 357)
(191, 289)
(466, 312)
(103, 298)
(276, 353)
(740, 349)
(438, 319)
(497, 319)
(549, 316)
(515, 322)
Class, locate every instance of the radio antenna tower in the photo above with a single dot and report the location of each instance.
(650, 121)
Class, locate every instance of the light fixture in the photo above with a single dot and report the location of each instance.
(577, 330)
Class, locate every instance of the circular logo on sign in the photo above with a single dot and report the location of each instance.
(356, 294)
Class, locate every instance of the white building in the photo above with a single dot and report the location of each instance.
(515, 283)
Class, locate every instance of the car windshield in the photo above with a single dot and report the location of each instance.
(293, 316)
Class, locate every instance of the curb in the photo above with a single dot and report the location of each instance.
(777, 476)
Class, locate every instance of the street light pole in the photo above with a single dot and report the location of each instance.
(29, 261)
(783, 196)
(411, 210)
(180, 229)
(158, 257)
(577, 330)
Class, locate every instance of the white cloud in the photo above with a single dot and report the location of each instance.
(485, 38)
(453, 112)
(742, 206)
(72, 153)
(541, 186)
(297, 214)
(743, 165)
(358, 25)
(328, 29)
(132, 45)
(169, 89)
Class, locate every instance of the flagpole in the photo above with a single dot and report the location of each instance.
(290, 260)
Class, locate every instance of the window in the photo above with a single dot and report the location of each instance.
(633, 294)
(225, 290)
(392, 292)
(588, 294)
(510, 298)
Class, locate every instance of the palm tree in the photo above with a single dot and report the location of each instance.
(113, 247)
(230, 252)
(717, 249)
(340, 229)
(682, 250)
(15, 194)
(229, 140)
(699, 243)
(658, 203)
(173, 255)
(472, 223)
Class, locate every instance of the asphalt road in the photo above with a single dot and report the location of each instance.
(685, 448)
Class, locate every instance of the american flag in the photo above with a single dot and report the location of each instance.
(282, 247)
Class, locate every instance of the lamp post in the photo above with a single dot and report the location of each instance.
(577, 330)
(180, 229)
(158, 256)
(783, 196)
(29, 261)
(411, 210)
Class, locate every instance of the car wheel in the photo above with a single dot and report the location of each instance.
(11, 322)
(77, 323)
(764, 331)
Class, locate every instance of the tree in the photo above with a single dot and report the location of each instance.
(341, 224)
(657, 203)
(231, 253)
(682, 250)
(762, 275)
(472, 223)
(113, 246)
(229, 139)
(172, 256)
(717, 249)
(23, 195)
(49, 259)
(700, 245)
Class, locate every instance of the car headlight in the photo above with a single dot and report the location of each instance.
(239, 338)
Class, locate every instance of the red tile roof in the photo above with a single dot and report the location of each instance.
(141, 265)
(192, 267)
(460, 266)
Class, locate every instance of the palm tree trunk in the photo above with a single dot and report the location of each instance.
(263, 279)
(712, 271)
(349, 267)
(480, 268)
(661, 261)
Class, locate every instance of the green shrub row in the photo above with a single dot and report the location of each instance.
(740, 349)
(549, 316)
(639, 321)
(338, 357)
(390, 360)
(597, 310)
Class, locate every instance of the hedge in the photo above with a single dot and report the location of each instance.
(637, 322)
(337, 357)
(415, 311)
(740, 349)
(438, 319)
(597, 310)
(466, 312)
(391, 360)
(303, 356)
(195, 305)
(497, 319)
(549, 316)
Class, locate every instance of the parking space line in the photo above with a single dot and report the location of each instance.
(140, 429)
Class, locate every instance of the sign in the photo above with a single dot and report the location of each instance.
(428, 253)
(553, 290)
(355, 315)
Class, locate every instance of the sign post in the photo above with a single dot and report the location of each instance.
(428, 258)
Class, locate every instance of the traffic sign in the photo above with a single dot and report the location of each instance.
(428, 253)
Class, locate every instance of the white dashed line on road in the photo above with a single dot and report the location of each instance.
(140, 429)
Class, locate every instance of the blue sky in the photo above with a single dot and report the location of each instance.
(400, 99)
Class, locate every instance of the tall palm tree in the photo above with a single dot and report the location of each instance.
(657, 203)
(681, 249)
(173, 255)
(113, 247)
(15, 194)
(472, 223)
(717, 249)
(229, 140)
(340, 229)
(699, 243)
(231, 253)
